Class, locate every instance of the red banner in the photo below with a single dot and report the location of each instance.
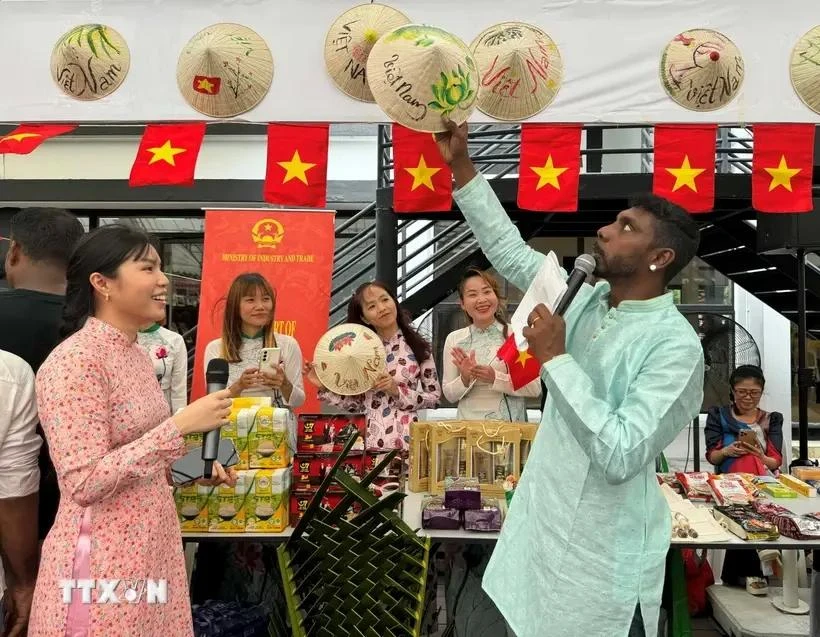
(293, 251)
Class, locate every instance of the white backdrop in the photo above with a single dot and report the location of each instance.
(611, 51)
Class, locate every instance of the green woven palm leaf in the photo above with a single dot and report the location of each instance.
(361, 574)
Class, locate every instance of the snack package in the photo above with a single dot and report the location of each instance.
(435, 515)
(696, 485)
(745, 522)
(788, 523)
(729, 491)
(797, 485)
(488, 518)
(462, 493)
(773, 488)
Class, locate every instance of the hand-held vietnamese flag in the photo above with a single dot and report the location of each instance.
(167, 155)
(685, 165)
(550, 168)
(296, 172)
(26, 138)
(782, 166)
(422, 182)
(547, 287)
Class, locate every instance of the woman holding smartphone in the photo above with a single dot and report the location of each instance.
(248, 338)
(112, 440)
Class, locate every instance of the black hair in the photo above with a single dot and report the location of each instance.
(747, 372)
(674, 229)
(103, 250)
(47, 235)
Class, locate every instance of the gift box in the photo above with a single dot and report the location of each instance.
(448, 453)
(327, 434)
(487, 518)
(494, 454)
(419, 457)
(528, 431)
(227, 505)
(462, 493)
(192, 506)
(267, 502)
(269, 438)
(299, 501)
(436, 515)
(310, 471)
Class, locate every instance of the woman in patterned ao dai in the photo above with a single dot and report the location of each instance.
(410, 383)
(474, 377)
(112, 441)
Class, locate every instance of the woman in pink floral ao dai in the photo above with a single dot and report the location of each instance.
(410, 383)
(112, 441)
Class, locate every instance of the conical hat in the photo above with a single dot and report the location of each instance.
(805, 69)
(702, 70)
(349, 41)
(418, 73)
(225, 70)
(90, 62)
(348, 358)
(521, 70)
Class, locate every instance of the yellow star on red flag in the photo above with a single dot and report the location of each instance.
(685, 175)
(19, 137)
(422, 174)
(782, 175)
(296, 169)
(165, 153)
(548, 174)
(523, 357)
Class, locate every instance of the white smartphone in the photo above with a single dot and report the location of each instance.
(269, 359)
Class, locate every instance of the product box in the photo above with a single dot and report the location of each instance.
(328, 434)
(310, 471)
(269, 438)
(267, 503)
(236, 430)
(192, 507)
(227, 505)
(299, 501)
(193, 441)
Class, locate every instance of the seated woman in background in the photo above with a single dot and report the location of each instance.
(742, 438)
(473, 376)
(247, 329)
(726, 425)
(410, 383)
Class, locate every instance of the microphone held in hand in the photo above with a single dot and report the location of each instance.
(584, 267)
(216, 378)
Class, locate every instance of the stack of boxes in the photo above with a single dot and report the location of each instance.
(319, 441)
(264, 438)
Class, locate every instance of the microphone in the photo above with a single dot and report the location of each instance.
(584, 266)
(216, 378)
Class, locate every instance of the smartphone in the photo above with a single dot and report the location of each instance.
(748, 437)
(192, 467)
(269, 359)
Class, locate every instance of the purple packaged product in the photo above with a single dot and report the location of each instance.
(434, 515)
(487, 518)
(462, 493)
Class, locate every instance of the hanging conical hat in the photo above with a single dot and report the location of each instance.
(225, 70)
(90, 62)
(521, 69)
(805, 69)
(702, 70)
(418, 73)
(349, 41)
(348, 358)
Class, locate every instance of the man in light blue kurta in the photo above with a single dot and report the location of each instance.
(582, 551)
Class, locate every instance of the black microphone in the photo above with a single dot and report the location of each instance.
(584, 267)
(217, 379)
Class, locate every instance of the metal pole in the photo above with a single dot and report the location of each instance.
(804, 376)
(696, 443)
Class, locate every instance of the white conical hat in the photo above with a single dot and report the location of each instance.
(348, 358)
(804, 69)
(349, 41)
(418, 73)
(225, 70)
(521, 70)
(702, 70)
(90, 62)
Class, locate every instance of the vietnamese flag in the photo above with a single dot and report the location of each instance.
(422, 182)
(550, 168)
(522, 366)
(782, 166)
(207, 85)
(167, 155)
(296, 173)
(26, 138)
(685, 165)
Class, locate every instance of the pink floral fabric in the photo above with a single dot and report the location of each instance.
(108, 431)
(389, 417)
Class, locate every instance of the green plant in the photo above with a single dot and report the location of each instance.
(451, 91)
(94, 35)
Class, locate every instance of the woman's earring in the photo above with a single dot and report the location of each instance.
(653, 267)
(107, 298)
